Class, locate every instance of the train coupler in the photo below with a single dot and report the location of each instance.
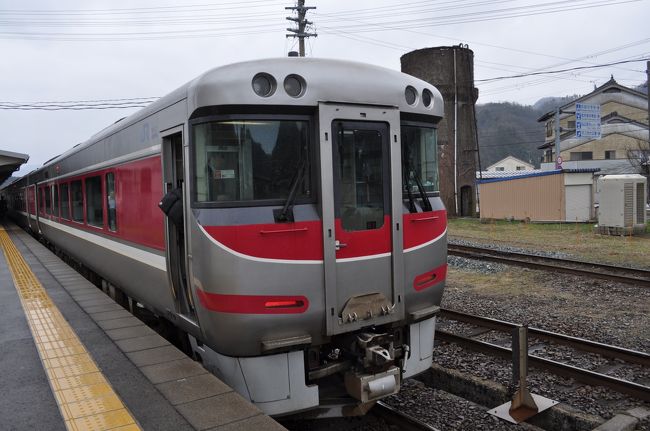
(376, 349)
(371, 387)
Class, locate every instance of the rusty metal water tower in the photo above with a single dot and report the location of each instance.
(451, 70)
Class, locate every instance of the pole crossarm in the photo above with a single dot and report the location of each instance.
(302, 23)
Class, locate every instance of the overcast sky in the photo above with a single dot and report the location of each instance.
(67, 50)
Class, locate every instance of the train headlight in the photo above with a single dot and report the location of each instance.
(427, 97)
(264, 85)
(411, 95)
(294, 85)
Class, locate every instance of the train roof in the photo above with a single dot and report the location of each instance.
(326, 80)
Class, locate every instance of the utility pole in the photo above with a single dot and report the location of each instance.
(299, 32)
(558, 130)
(647, 157)
(647, 85)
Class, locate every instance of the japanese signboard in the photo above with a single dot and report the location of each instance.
(588, 121)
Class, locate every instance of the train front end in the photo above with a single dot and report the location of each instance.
(316, 235)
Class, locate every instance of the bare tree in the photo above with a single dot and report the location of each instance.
(639, 158)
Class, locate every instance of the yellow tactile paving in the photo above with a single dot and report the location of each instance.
(84, 396)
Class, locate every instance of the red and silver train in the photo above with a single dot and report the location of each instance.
(309, 263)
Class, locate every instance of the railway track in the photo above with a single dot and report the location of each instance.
(637, 277)
(579, 374)
(402, 421)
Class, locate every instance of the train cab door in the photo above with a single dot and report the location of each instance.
(362, 214)
(173, 153)
(32, 210)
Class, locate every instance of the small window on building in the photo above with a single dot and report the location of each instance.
(610, 154)
(94, 208)
(65, 201)
(77, 198)
(581, 155)
(500, 168)
(548, 156)
(111, 202)
(48, 200)
(549, 129)
(571, 124)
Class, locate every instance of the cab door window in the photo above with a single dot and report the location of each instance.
(111, 203)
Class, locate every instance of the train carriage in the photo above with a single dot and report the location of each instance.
(309, 262)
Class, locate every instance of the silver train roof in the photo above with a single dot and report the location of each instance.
(326, 80)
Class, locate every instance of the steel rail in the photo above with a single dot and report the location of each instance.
(585, 376)
(606, 350)
(635, 276)
(401, 420)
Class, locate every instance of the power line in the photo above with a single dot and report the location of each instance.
(498, 78)
(69, 108)
(82, 101)
(496, 14)
(78, 105)
(242, 4)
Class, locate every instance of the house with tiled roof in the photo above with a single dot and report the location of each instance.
(624, 129)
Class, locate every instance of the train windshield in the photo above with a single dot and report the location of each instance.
(419, 159)
(249, 160)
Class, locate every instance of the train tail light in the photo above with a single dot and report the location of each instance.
(291, 303)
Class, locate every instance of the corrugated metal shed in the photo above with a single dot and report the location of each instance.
(539, 196)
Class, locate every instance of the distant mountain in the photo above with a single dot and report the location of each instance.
(509, 129)
(548, 104)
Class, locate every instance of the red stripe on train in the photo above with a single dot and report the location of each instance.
(363, 242)
(304, 240)
(290, 241)
(420, 228)
(253, 304)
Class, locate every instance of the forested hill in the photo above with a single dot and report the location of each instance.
(509, 129)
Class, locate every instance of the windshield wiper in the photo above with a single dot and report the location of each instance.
(406, 174)
(426, 205)
(285, 214)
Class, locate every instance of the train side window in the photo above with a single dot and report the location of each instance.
(111, 202)
(77, 201)
(55, 200)
(65, 201)
(94, 209)
(48, 200)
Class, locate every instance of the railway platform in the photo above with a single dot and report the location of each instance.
(71, 358)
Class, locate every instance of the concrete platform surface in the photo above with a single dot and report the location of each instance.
(161, 387)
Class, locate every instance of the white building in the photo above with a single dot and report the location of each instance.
(624, 130)
(510, 164)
